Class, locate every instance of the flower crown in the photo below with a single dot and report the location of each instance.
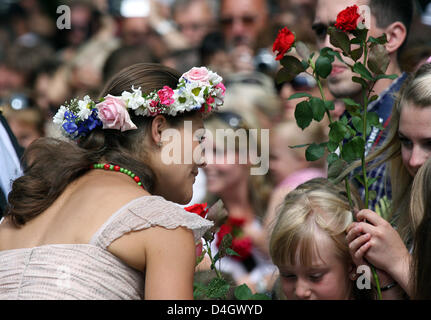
(198, 89)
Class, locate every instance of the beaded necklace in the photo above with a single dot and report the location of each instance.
(111, 167)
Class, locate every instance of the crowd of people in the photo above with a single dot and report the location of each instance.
(99, 236)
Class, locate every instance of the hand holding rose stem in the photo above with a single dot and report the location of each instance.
(349, 137)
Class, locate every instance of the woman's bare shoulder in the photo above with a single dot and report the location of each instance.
(84, 206)
(136, 247)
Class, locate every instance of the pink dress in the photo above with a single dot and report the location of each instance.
(90, 271)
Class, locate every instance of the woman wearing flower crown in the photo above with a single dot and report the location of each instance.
(97, 219)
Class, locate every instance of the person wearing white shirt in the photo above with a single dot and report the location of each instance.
(10, 167)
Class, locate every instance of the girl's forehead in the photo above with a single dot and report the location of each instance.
(318, 252)
(415, 120)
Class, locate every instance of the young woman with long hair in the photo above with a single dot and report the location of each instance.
(407, 148)
(98, 219)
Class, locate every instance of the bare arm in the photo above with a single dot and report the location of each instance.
(170, 263)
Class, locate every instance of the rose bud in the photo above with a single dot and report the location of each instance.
(218, 214)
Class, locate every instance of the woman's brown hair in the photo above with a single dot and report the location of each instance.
(53, 164)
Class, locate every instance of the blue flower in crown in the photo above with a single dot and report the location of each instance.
(86, 126)
(69, 125)
(77, 118)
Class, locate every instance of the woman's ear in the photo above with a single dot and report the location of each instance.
(158, 124)
(396, 34)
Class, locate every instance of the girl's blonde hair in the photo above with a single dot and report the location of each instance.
(313, 207)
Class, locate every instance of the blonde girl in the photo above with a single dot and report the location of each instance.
(309, 247)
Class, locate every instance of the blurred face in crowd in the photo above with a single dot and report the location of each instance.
(222, 175)
(243, 20)
(415, 136)
(340, 80)
(10, 80)
(80, 25)
(222, 178)
(327, 277)
(301, 83)
(24, 132)
(283, 160)
(134, 30)
(41, 87)
(194, 21)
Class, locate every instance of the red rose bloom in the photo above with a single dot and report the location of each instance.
(199, 208)
(236, 222)
(224, 230)
(243, 247)
(283, 42)
(347, 20)
(240, 244)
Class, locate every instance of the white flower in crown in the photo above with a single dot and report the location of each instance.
(59, 116)
(182, 101)
(143, 109)
(197, 91)
(194, 99)
(214, 78)
(84, 108)
(133, 100)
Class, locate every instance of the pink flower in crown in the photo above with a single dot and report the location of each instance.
(113, 114)
(207, 106)
(198, 74)
(210, 101)
(165, 96)
(222, 88)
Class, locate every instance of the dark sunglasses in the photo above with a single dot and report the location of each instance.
(300, 82)
(303, 81)
(321, 30)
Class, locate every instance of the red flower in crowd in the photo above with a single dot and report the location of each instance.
(347, 20)
(284, 41)
(236, 222)
(199, 208)
(224, 230)
(240, 244)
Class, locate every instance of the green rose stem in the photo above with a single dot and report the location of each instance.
(208, 247)
(364, 134)
(322, 94)
(363, 163)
